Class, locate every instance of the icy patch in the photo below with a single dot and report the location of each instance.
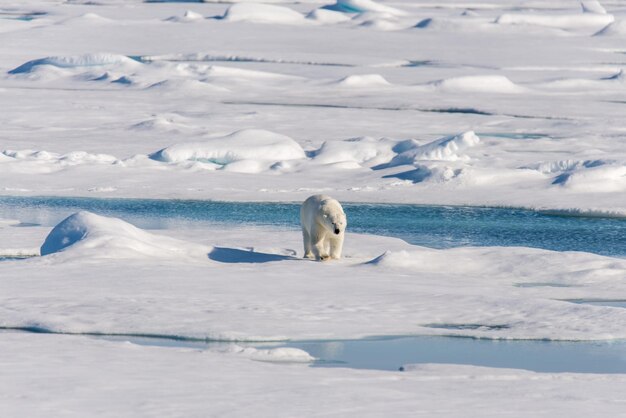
(443, 149)
(364, 81)
(478, 84)
(262, 13)
(85, 60)
(362, 6)
(252, 149)
(85, 234)
(278, 355)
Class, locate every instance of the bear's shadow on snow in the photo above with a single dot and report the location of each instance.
(238, 255)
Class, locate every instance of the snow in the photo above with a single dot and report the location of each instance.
(262, 13)
(489, 84)
(158, 381)
(362, 6)
(567, 22)
(443, 149)
(87, 235)
(250, 146)
(85, 60)
(516, 104)
(366, 80)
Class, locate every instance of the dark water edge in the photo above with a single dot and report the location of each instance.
(432, 226)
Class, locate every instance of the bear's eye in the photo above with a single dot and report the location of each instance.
(325, 216)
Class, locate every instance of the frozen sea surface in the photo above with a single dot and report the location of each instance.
(431, 226)
(391, 353)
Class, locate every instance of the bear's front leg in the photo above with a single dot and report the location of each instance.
(320, 249)
(336, 246)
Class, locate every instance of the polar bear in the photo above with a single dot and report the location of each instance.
(323, 226)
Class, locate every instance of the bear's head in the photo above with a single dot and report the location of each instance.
(333, 217)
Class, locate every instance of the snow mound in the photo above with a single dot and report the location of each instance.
(380, 21)
(399, 259)
(550, 167)
(593, 6)
(363, 81)
(187, 17)
(262, 13)
(250, 145)
(362, 6)
(88, 19)
(602, 179)
(69, 159)
(614, 29)
(433, 173)
(443, 149)
(364, 150)
(566, 22)
(478, 84)
(85, 234)
(278, 355)
(610, 83)
(85, 60)
(327, 16)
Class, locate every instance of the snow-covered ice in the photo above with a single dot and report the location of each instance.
(514, 103)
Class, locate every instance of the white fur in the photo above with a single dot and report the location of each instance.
(320, 217)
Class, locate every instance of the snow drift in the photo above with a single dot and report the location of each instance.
(262, 13)
(478, 84)
(85, 60)
(85, 234)
(566, 22)
(362, 6)
(443, 149)
(245, 145)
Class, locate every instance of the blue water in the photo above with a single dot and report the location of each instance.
(432, 226)
(392, 353)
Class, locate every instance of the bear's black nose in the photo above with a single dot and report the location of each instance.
(337, 231)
